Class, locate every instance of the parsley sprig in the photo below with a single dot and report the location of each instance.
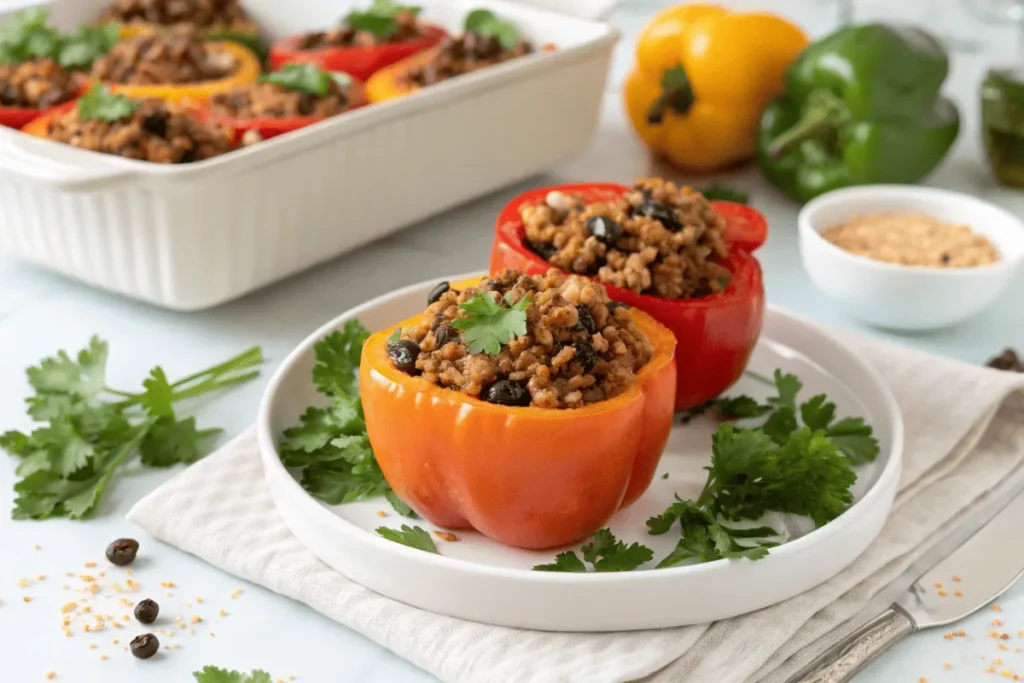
(414, 537)
(308, 78)
(330, 445)
(378, 18)
(211, 674)
(705, 538)
(101, 104)
(488, 325)
(484, 22)
(604, 553)
(28, 35)
(88, 430)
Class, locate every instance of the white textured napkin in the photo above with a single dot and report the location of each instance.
(965, 438)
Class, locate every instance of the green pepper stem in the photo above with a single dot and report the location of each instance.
(817, 121)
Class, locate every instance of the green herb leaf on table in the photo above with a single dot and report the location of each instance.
(378, 18)
(484, 22)
(101, 104)
(89, 430)
(330, 445)
(414, 537)
(307, 78)
(605, 553)
(488, 325)
(726, 194)
(211, 674)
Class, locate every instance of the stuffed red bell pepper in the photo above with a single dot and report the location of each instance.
(293, 97)
(366, 41)
(528, 408)
(660, 248)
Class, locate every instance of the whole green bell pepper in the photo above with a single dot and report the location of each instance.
(862, 105)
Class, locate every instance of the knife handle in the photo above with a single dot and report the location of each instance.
(847, 657)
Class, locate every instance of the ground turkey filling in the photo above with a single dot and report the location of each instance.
(658, 239)
(467, 53)
(203, 13)
(579, 346)
(177, 58)
(406, 29)
(37, 84)
(158, 131)
(270, 100)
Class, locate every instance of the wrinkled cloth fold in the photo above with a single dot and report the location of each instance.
(964, 450)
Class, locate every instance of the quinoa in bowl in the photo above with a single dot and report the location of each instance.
(177, 58)
(36, 84)
(658, 239)
(576, 346)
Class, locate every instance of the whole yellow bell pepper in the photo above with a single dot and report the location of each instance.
(702, 78)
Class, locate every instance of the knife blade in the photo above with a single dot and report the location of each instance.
(981, 569)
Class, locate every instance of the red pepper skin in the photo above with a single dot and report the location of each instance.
(19, 117)
(272, 127)
(715, 335)
(360, 62)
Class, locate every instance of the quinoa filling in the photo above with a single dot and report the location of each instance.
(157, 131)
(406, 28)
(465, 54)
(37, 84)
(658, 239)
(203, 13)
(178, 58)
(271, 100)
(577, 347)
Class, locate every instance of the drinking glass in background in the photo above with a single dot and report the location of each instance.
(935, 16)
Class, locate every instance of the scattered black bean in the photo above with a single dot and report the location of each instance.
(404, 354)
(612, 305)
(586, 355)
(147, 611)
(306, 104)
(1008, 360)
(156, 123)
(123, 551)
(444, 334)
(587, 321)
(659, 212)
(543, 249)
(437, 292)
(604, 229)
(507, 392)
(144, 646)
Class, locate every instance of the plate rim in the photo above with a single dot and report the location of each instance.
(272, 464)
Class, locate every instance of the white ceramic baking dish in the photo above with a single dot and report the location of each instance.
(193, 236)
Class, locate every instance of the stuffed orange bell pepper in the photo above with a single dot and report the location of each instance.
(536, 438)
(702, 78)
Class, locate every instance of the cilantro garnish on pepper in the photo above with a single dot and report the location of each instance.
(378, 18)
(101, 104)
(487, 325)
(308, 78)
(484, 22)
(28, 35)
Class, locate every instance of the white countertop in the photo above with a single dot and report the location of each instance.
(40, 313)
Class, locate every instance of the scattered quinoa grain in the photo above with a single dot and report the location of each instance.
(961, 633)
(38, 547)
(997, 608)
(942, 594)
(103, 657)
(51, 675)
(938, 584)
(956, 577)
(997, 661)
(22, 582)
(90, 565)
(223, 613)
(26, 598)
(997, 622)
(93, 646)
(167, 584)
(446, 536)
(947, 665)
(990, 669)
(237, 593)
(196, 618)
(381, 513)
(958, 593)
(1003, 647)
(41, 577)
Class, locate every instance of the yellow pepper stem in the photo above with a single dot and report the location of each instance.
(677, 95)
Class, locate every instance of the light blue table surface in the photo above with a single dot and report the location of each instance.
(40, 313)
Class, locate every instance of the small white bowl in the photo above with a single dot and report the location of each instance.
(908, 297)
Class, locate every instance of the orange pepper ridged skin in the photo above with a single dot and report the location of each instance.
(391, 83)
(525, 477)
(735, 63)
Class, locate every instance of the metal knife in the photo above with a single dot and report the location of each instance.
(987, 564)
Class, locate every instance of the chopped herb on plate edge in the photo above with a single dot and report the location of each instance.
(799, 461)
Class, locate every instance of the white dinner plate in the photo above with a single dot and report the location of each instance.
(476, 578)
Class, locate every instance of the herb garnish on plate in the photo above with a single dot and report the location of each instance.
(330, 445)
(91, 430)
(780, 466)
(414, 537)
(605, 553)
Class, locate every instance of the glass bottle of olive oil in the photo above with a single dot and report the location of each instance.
(1002, 114)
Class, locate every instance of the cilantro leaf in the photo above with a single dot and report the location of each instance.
(414, 537)
(789, 387)
(337, 359)
(564, 562)
(395, 336)
(742, 407)
(488, 325)
(103, 105)
(726, 194)
(211, 674)
(605, 553)
(378, 18)
(28, 35)
(88, 431)
(484, 22)
(80, 48)
(308, 78)
(705, 539)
